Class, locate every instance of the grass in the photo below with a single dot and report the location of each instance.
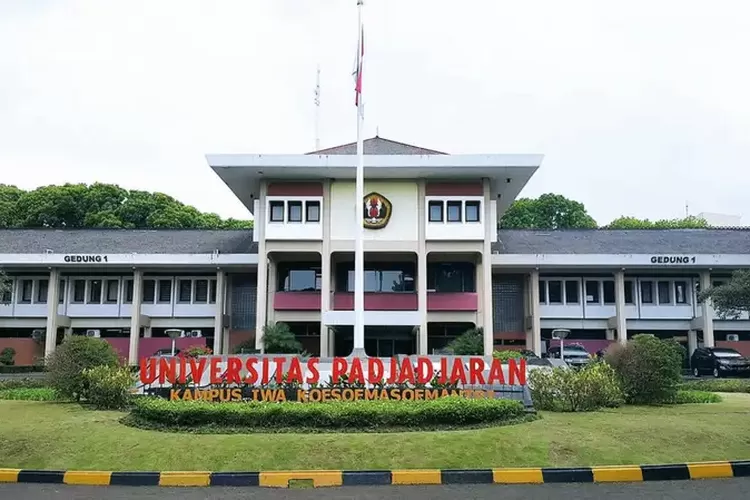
(65, 435)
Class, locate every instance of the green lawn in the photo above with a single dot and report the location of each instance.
(65, 436)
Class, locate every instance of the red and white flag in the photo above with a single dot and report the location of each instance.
(359, 61)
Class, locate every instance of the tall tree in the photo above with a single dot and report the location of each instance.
(5, 285)
(103, 206)
(549, 211)
(689, 222)
(732, 298)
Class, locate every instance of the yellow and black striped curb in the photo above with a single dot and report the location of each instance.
(283, 479)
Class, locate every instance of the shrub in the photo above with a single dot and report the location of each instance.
(279, 339)
(22, 383)
(7, 355)
(109, 386)
(714, 385)
(649, 369)
(340, 415)
(589, 388)
(693, 397)
(29, 394)
(21, 368)
(507, 355)
(65, 366)
(196, 350)
(469, 343)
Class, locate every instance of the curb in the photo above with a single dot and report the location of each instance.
(322, 478)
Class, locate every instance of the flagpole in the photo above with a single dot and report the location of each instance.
(359, 250)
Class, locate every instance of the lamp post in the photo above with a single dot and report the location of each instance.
(174, 334)
(561, 333)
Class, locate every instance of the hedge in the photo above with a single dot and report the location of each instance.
(22, 383)
(692, 397)
(29, 394)
(446, 412)
(21, 369)
(717, 385)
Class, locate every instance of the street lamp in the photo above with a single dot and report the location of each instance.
(560, 333)
(173, 334)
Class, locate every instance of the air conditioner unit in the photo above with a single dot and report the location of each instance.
(93, 333)
(733, 337)
(195, 333)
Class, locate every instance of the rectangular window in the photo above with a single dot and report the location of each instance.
(542, 291)
(609, 291)
(295, 211)
(472, 211)
(571, 292)
(212, 292)
(41, 291)
(453, 277)
(384, 281)
(647, 292)
(312, 209)
(95, 292)
(718, 283)
(276, 209)
(555, 291)
(629, 292)
(663, 291)
(435, 209)
(165, 291)
(301, 280)
(149, 291)
(79, 291)
(129, 291)
(113, 287)
(680, 292)
(25, 288)
(201, 291)
(186, 288)
(61, 292)
(592, 292)
(454, 211)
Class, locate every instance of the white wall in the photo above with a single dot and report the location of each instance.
(403, 224)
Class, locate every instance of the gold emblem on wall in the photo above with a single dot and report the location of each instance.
(377, 211)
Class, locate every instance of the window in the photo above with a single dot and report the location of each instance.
(629, 292)
(571, 292)
(454, 277)
(609, 291)
(129, 291)
(663, 291)
(149, 291)
(165, 291)
(454, 211)
(435, 209)
(95, 292)
(41, 291)
(472, 211)
(718, 283)
(542, 291)
(276, 211)
(301, 280)
(186, 289)
(112, 291)
(592, 292)
(680, 292)
(6, 296)
(201, 291)
(647, 292)
(79, 291)
(295, 211)
(384, 281)
(312, 211)
(61, 293)
(25, 287)
(212, 292)
(555, 292)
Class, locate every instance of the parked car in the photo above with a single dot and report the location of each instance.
(574, 355)
(166, 352)
(719, 361)
(529, 354)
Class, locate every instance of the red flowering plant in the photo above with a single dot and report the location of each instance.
(195, 351)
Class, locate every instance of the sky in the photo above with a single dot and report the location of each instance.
(640, 107)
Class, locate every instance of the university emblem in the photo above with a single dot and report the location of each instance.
(377, 211)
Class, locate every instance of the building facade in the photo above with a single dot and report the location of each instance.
(435, 266)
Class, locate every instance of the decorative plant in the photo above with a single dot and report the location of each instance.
(279, 339)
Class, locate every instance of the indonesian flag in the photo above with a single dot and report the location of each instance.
(358, 71)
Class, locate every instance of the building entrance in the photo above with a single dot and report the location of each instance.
(380, 341)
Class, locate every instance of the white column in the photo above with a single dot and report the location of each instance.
(708, 312)
(422, 302)
(272, 283)
(692, 342)
(135, 317)
(490, 233)
(219, 313)
(261, 298)
(536, 320)
(609, 334)
(53, 297)
(622, 326)
(325, 269)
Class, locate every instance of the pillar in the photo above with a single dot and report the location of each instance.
(53, 297)
(536, 320)
(219, 312)
(708, 312)
(261, 299)
(610, 334)
(490, 235)
(621, 316)
(135, 316)
(422, 303)
(325, 270)
(692, 342)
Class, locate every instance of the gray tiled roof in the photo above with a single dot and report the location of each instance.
(593, 241)
(126, 241)
(602, 241)
(377, 146)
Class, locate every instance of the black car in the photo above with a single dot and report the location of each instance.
(574, 355)
(719, 361)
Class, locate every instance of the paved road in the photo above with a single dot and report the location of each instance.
(718, 489)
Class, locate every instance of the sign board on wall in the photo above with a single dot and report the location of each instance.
(673, 259)
(85, 259)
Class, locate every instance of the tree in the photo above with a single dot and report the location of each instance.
(689, 222)
(103, 206)
(732, 298)
(5, 285)
(549, 211)
(469, 343)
